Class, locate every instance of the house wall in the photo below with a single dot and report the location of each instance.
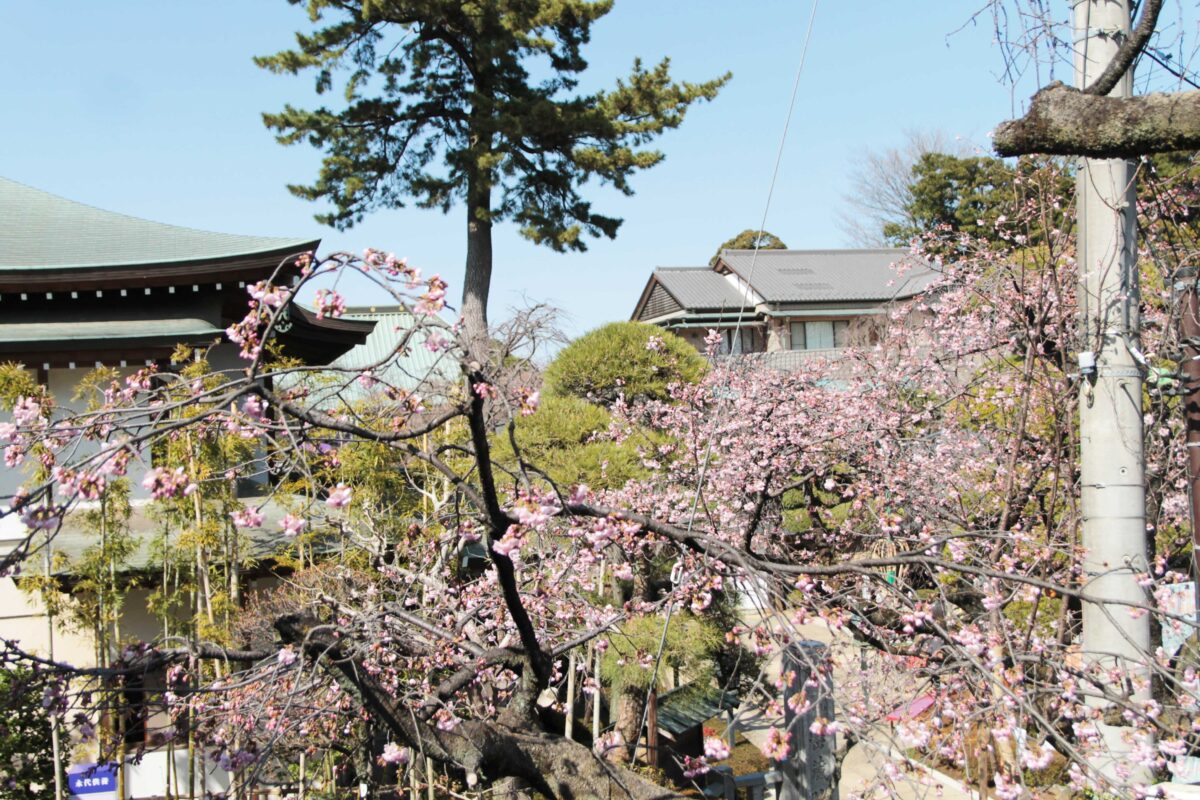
(24, 620)
(693, 336)
(11, 479)
(63, 382)
(659, 303)
(778, 336)
(751, 332)
(772, 329)
(861, 331)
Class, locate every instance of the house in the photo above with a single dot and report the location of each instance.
(788, 303)
(81, 288)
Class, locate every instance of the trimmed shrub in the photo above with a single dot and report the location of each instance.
(635, 359)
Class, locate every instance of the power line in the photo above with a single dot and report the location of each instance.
(735, 338)
(1163, 59)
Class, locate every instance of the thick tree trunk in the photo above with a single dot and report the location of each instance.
(1189, 330)
(629, 721)
(1066, 122)
(477, 279)
(550, 764)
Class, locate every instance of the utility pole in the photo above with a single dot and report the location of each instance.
(1189, 330)
(1110, 407)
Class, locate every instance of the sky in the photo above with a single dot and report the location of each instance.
(153, 108)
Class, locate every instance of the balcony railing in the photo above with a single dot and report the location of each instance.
(787, 359)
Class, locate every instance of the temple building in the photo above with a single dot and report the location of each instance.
(81, 287)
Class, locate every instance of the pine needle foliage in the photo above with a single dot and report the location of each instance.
(444, 100)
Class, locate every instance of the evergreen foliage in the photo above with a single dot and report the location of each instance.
(630, 359)
(566, 439)
(26, 766)
(962, 194)
(750, 239)
(689, 646)
(447, 101)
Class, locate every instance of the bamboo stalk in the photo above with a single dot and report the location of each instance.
(596, 698)
(569, 725)
(55, 744)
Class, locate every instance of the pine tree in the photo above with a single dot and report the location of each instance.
(449, 102)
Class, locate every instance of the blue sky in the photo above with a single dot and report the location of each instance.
(153, 109)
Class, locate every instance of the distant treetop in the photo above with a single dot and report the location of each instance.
(749, 239)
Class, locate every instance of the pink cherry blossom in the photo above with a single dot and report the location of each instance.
(778, 745)
(163, 483)
(394, 754)
(339, 497)
(292, 525)
(329, 304)
(716, 748)
(247, 518)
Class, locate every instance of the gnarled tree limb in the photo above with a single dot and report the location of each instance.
(1128, 51)
(553, 765)
(1066, 122)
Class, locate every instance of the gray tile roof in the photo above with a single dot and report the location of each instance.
(699, 287)
(40, 231)
(807, 276)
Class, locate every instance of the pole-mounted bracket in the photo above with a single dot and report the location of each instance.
(1119, 372)
(1111, 32)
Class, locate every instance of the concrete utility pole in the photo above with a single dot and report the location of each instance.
(1189, 331)
(1110, 402)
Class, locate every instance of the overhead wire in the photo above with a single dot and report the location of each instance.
(735, 341)
(1163, 60)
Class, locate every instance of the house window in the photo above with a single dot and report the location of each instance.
(741, 341)
(819, 334)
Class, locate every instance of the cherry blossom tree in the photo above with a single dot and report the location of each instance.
(918, 501)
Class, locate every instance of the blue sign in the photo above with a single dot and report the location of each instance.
(92, 782)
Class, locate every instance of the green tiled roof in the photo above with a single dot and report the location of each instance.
(416, 369)
(170, 329)
(407, 371)
(41, 231)
(689, 706)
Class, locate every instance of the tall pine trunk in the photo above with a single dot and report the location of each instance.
(629, 722)
(478, 276)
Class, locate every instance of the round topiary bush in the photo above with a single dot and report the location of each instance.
(565, 440)
(632, 358)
